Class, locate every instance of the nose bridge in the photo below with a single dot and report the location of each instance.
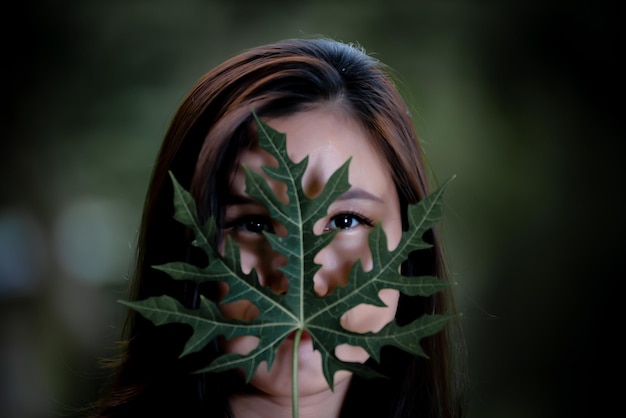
(323, 161)
(313, 180)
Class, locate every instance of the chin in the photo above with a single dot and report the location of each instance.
(277, 380)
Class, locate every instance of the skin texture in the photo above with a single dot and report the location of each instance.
(329, 136)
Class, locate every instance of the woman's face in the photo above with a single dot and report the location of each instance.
(329, 137)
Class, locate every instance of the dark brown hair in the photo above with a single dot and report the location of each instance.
(212, 126)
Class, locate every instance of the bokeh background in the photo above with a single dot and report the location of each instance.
(521, 100)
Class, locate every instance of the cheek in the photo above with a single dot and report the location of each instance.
(393, 231)
(240, 345)
(368, 318)
(242, 309)
(257, 253)
(253, 252)
(337, 259)
(354, 246)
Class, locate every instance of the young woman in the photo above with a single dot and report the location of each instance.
(334, 102)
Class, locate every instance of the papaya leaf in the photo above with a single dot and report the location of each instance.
(300, 309)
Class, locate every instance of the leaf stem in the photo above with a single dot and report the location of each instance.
(294, 373)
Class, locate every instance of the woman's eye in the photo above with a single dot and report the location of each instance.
(346, 221)
(254, 224)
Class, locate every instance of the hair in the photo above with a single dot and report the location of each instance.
(213, 125)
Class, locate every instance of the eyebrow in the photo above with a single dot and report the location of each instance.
(357, 193)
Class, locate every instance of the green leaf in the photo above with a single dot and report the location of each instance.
(300, 308)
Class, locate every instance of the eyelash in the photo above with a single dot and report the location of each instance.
(246, 222)
(360, 218)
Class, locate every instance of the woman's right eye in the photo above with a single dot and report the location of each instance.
(252, 223)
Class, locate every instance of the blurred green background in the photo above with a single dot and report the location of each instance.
(519, 99)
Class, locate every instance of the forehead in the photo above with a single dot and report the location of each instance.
(329, 137)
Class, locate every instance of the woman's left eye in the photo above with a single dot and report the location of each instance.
(347, 221)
